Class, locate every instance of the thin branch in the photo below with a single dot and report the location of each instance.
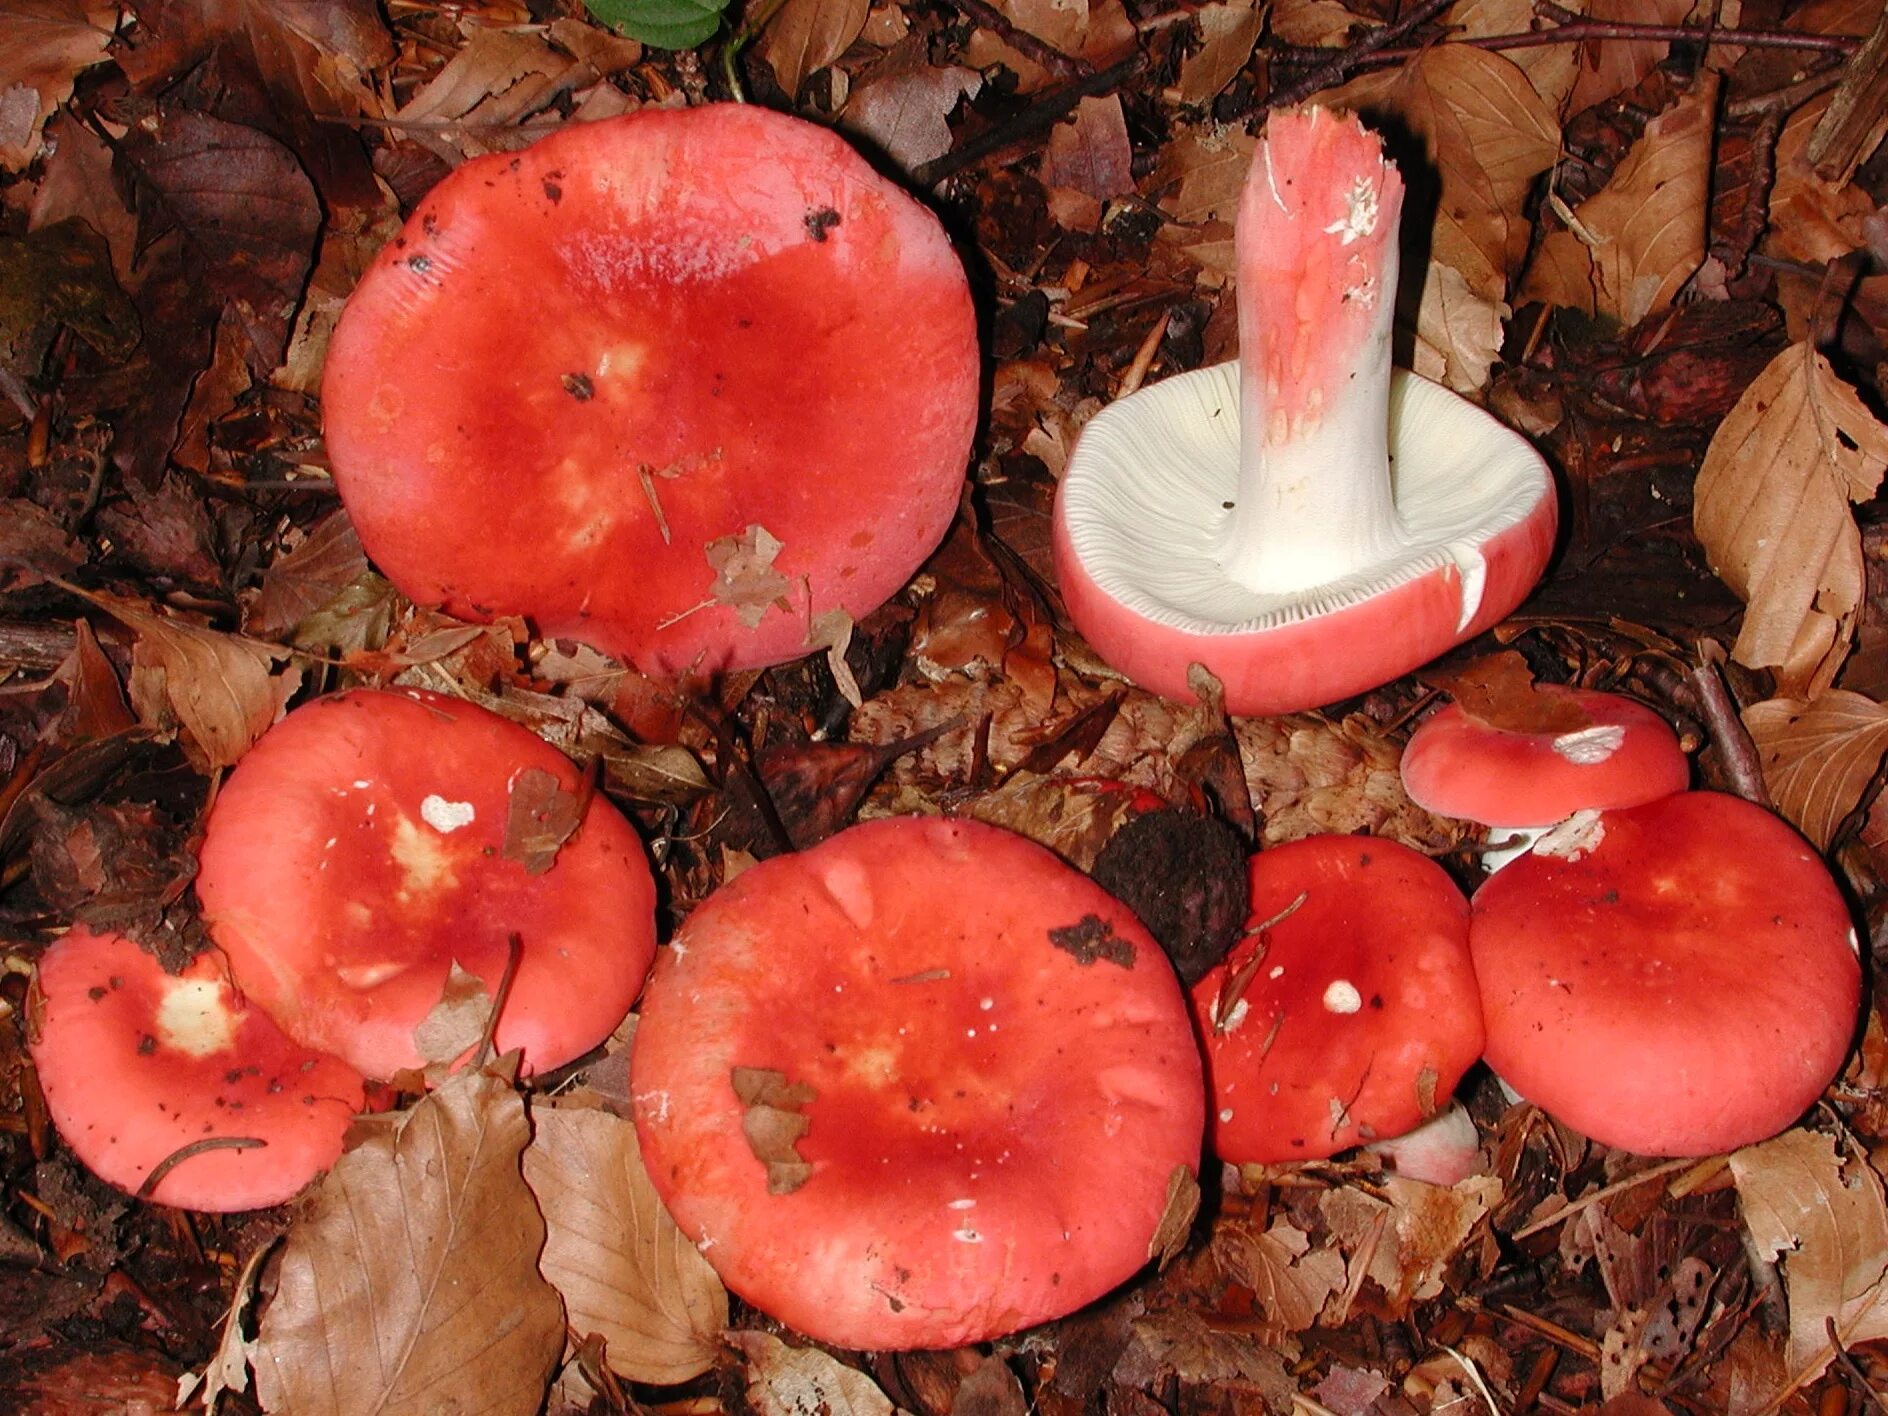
(1743, 767)
(1334, 69)
(1044, 112)
(1040, 51)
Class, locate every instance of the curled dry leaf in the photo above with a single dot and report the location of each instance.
(413, 1281)
(807, 35)
(1641, 236)
(1830, 1221)
(1818, 758)
(1771, 508)
(795, 1381)
(626, 1272)
(1406, 1240)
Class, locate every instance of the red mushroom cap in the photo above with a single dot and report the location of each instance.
(674, 384)
(138, 1064)
(1602, 751)
(1349, 1019)
(357, 852)
(991, 1060)
(1677, 978)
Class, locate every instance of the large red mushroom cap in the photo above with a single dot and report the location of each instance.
(1348, 1012)
(1677, 978)
(918, 1086)
(140, 1067)
(1585, 750)
(675, 384)
(358, 852)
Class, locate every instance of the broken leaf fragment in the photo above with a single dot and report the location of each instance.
(541, 816)
(773, 1124)
(745, 578)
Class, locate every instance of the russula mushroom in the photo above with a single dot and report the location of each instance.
(355, 871)
(681, 384)
(1348, 1012)
(1580, 750)
(1304, 522)
(918, 1086)
(1678, 978)
(174, 1078)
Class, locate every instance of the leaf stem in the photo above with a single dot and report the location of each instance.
(749, 31)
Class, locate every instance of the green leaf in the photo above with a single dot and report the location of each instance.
(665, 24)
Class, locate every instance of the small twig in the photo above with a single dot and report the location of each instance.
(1743, 767)
(1847, 1363)
(195, 1148)
(1040, 51)
(1785, 99)
(748, 32)
(514, 946)
(1333, 70)
(1047, 109)
(1754, 219)
(1586, 1201)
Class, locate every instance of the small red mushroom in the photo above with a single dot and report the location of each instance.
(675, 384)
(1245, 517)
(140, 1068)
(919, 1086)
(357, 853)
(1678, 978)
(1348, 1012)
(1586, 751)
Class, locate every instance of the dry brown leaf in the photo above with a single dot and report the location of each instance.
(807, 35)
(1228, 33)
(904, 107)
(1405, 1240)
(1642, 233)
(222, 690)
(1289, 1279)
(456, 1022)
(1818, 757)
(1811, 220)
(1458, 331)
(1316, 22)
(745, 578)
(772, 1123)
(797, 1381)
(1830, 1222)
(1551, 68)
(540, 816)
(1771, 508)
(1099, 32)
(44, 46)
(326, 561)
(1200, 173)
(1091, 153)
(412, 1284)
(1181, 1344)
(1611, 66)
(626, 1272)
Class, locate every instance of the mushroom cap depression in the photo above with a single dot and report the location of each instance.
(1678, 978)
(1351, 1018)
(675, 384)
(1599, 750)
(357, 853)
(138, 1064)
(918, 1086)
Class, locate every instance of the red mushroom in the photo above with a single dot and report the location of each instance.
(676, 384)
(151, 1076)
(1348, 1012)
(1245, 517)
(357, 854)
(1678, 978)
(918, 1086)
(1584, 750)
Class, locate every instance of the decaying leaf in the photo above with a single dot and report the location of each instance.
(1406, 1240)
(1176, 1220)
(807, 35)
(625, 1271)
(904, 104)
(1290, 1280)
(1827, 1219)
(1498, 689)
(1228, 32)
(326, 562)
(745, 578)
(539, 818)
(456, 1023)
(1771, 508)
(802, 1381)
(413, 1280)
(1182, 1344)
(44, 46)
(772, 1122)
(1088, 161)
(1819, 757)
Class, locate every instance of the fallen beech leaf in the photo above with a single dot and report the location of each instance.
(1771, 508)
(1458, 331)
(1091, 153)
(1316, 22)
(1550, 68)
(1498, 689)
(831, 630)
(412, 1284)
(1406, 1240)
(1611, 66)
(773, 1124)
(1290, 1280)
(1818, 757)
(1643, 233)
(1099, 32)
(1228, 33)
(1176, 1220)
(1830, 1219)
(904, 105)
(1180, 1343)
(455, 1024)
(625, 1271)
(44, 45)
(540, 817)
(801, 1381)
(1812, 220)
(328, 560)
(1200, 174)
(95, 701)
(805, 36)
(224, 691)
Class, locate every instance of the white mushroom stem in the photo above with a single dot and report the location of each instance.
(1317, 261)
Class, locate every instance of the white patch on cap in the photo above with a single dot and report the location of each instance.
(1361, 206)
(426, 865)
(1855, 944)
(365, 976)
(1342, 996)
(194, 1018)
(1236, 1016)
(961, 1205)
(1590, 746)
(1579, 835)
(445, 816)
(851, 889)
(966, 1236)
(1225, 1115)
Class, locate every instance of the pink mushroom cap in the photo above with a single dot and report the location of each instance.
(1677, 978)
(992, 1060)
(138, 1065)
(674, 384)
(1351, 1018)
(357, 852)
(1603, 750)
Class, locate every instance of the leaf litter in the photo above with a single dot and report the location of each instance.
(1655, 256)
